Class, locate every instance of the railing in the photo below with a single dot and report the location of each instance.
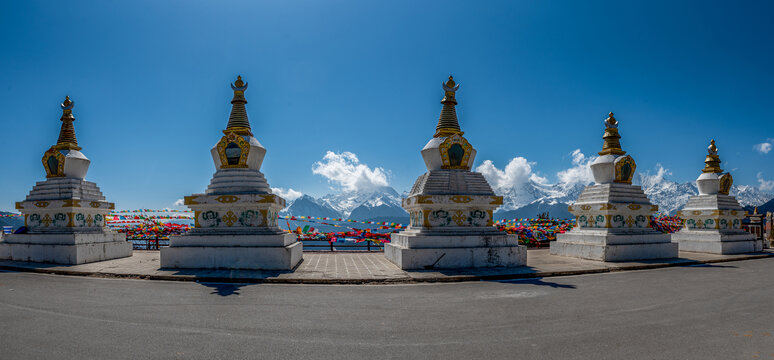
(148, 244)
(155, 244)
(332, 246)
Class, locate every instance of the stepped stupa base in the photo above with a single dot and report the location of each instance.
(714, 242)
(604, 245)
(233, 251)
(72, 249)
(417, 250)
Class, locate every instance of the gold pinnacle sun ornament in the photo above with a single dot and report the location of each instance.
(237, 121)
(67, 140)
(712, 161)
(447, 123)
(611, 146)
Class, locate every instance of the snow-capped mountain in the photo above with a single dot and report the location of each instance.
(670, 196)
(533, 192)
(346, 202)
(526, 200)
(309, 206)
(532, 198)
(750, 195)
(382, 204)
(383, 212)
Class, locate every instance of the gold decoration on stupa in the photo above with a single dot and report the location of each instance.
(447, 122)
(712, 161)
(237, 121)
(67, 140)
(611, 146)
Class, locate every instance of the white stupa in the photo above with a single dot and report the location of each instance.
(713, 219)
(236, 217)
(65, 214)
(451, 207)
(613, 216)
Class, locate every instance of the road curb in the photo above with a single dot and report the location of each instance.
(407, 280)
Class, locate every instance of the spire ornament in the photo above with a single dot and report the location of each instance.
(237, 121)
(67, 140)
(447, 122)
(611, 146)
(712, 161)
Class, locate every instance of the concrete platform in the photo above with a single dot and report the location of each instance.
(74, 248)
(715, 242)
(412, 251)
(607, 245)
(364, 268)
(232, 257)
(250, 252)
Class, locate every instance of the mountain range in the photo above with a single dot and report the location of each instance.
(377, 204)
(525, 200)
(532, 198)
(13, 221)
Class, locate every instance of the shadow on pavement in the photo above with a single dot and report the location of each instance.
(713, 266)
(539, 282)
(224, 289)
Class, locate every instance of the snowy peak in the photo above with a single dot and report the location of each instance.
(346, 202)
(669, 195)
(533, 192)
(750, 195)
(383, 202)
(309, 206)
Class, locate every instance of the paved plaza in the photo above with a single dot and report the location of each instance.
(363, 267)
(712, 311)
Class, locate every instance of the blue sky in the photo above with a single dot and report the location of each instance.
(151, 84)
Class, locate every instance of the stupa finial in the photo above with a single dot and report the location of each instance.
(447, 122)
(712, 149)
(67, 140)
(239, 85)
(712, 161)
(450, 88)
(612, 144)
(67, 104)
(237, 121)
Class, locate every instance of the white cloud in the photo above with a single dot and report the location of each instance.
(517, 172)
(763, 184)
(288, 195)
(649, 180)
(580, 173)
(179, 202)
(345, 170)
(764, 147)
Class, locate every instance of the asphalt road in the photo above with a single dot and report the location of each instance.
(701, 312)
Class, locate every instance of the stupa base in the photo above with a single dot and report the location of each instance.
(71, 249)
(609, 246)
(415, 251)
(254, 252)
(715, 242)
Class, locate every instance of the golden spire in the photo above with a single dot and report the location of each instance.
(67, 140)
(447, 122)
(712, 161)
(237, 121)
(611, 146)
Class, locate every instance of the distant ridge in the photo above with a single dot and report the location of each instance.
(14, 221)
